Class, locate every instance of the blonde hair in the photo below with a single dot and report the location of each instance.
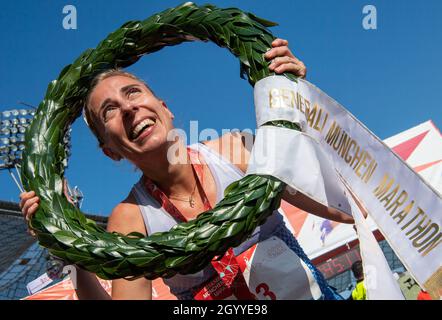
(87, 116)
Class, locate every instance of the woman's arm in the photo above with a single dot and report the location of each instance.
(126, 218)
(309, 205)
(88, 287)
(236, 147)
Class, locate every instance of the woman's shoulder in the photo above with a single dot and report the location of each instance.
(126, 218)
(234, 146)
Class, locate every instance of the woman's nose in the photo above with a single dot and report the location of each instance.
(129, 108)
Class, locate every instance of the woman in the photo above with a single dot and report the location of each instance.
(131, 123)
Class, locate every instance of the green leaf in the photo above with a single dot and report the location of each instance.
(262, 21)
(65, 237)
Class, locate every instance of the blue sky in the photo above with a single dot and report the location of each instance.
(389, 78)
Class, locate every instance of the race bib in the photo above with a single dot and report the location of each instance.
(272, 271)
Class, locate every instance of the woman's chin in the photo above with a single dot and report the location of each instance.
(154, 144)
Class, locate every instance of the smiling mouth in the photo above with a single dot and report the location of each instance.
(141, 127)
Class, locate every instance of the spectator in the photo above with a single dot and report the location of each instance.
(359, 292)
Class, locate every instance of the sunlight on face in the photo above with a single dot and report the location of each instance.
(130, 119)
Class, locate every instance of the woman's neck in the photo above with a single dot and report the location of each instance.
(172, 176)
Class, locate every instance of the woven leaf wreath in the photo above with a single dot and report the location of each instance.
(188, 247)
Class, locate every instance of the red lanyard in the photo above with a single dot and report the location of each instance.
(227, 265)
(166, 204)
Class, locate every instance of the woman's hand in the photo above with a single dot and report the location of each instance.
(29, 204)
(283, 59)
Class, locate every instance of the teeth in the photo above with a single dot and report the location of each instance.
(139, 127)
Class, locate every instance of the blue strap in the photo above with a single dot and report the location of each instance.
(290, 240)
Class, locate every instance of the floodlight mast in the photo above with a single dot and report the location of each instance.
(13, 125)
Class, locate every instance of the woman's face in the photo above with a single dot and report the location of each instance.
(131, 121)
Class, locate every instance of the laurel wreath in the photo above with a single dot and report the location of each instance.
(187, 247)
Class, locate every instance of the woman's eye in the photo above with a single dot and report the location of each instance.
(108, 111)
(133, 91)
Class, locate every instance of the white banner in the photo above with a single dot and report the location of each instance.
(406, 209)
(378, 278)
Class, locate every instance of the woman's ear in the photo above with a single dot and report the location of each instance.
(111, 154)
(167, 109)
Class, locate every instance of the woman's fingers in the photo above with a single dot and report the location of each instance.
(279, 52)
(279, 61)
(288, 64)
(297, 70)
(24, 196)
(283, 59)
(30, 207)
(280, 42)
(31, 232)
(33, 206)
(29, 204)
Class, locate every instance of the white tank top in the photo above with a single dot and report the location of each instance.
(156, 219)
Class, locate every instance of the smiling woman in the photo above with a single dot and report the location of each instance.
(88, 115)
(132, 123)
(129, 121)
